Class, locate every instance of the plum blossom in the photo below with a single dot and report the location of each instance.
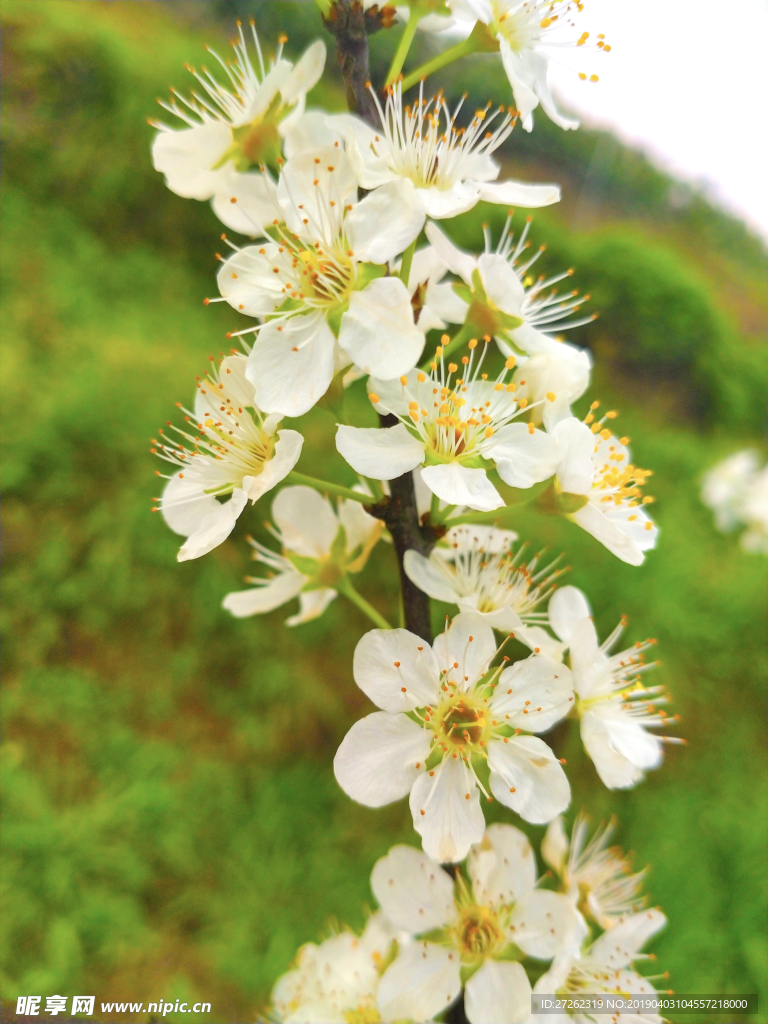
(320, 546)
(528, 34)
(450, 167)
(230, 448)
(605, 966)
(322, 283)
(615, 707)
(480, 926)
(476, 568)
(736, 490)
(599, 488)
(335, 981)
(597, 878)
(445, 713)
(232, 130)
(457, 428)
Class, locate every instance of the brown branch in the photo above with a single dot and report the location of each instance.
(351, 27)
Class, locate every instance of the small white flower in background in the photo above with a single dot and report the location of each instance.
(319, 546)
(605, 966)
(234, 129)
(529, 33)
(335, 981)
(324, 277)
(230, 448)
(597, 878)
(615, 708)
(476, 568)
(736, 490)
(451, 168)
(445, 710)
(440, 14)
(455, 426)
(471, 926)
(599, 488)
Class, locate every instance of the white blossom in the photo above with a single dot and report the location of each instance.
(598, 879)
(615, 707)
(736, 490)
(232, 130)
(230, 448)
(335, 981)
(322, 283)
(456, 427)
(450, 167)
(319, 546)
(599, 488)
(445, 712)
(476, 568)
(478, 926)
(605, 966)
(529, 34)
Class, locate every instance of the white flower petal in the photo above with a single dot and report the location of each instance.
(618, 947)
(519, 193)
(382, 454)
(414, 892)
(306, 521)
(265, 597)
(591, 519)
(214, 528)
(312, 604)
(586, 660)
(443, 203)
(304, 204)
(385, 222)
(371, 169)
(534, 693)
(291, 364)
(184, 505)
(501, 283)
(245, 202)
(287, 451)
(428, 577)
(498, 992)
(313, 130)
(358, 525)
(538, 64)
(457, 261)
(577, 444)
(622, 750)
(458, 485)
(378, 330)
(567, 606)
(521, 80)
(503, 866)
(544, 923)
(523, 458)
(187, 157)
(446, 811)
(376, 761)
(555, 845)
(526, 776)
(465, 649)
(305, 74)
(247, 283)
(422, 981)
(396, 669)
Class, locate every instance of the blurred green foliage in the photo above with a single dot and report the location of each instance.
(172, 824)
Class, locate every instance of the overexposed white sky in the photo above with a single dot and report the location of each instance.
(688, 83)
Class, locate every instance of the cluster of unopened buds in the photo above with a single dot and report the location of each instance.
(345, 279)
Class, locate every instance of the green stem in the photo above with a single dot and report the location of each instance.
(346, 588)
(325, 487)
(463, 336)
(405, 264)
(404, 45)
(440, 61)
(489, 518)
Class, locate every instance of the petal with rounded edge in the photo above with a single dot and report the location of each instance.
(545, 923)
(305, 74)
(382, 454)
(186, 158)
(446, 811)
(265, 597)
(385, 222)
(214, 528)
(246, 202)
(621, 749)
(306, 521)
(396, 669)
(422, 981)
(501, 283)
(458, 485)
(592, 519)
(415, 893)
(499, 991)
(312, 604)
(378, 332)
(184, 505)
(465, 649)
(286, 455)
(457, 261)
(523, 458)
(502, 866)
(566, 607)
(376, 761)
(533, 693)
(618, 947)
(519, 193)
(577, 444)
(291, 364)
(526, 776)
(429, 576)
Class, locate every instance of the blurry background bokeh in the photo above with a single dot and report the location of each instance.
(172, 824)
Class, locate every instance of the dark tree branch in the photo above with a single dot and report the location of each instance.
(351, 27)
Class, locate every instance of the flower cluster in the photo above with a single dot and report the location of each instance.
(347, 276)
(736, 490)
(486, 930)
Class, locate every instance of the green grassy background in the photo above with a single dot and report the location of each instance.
(172, 824)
